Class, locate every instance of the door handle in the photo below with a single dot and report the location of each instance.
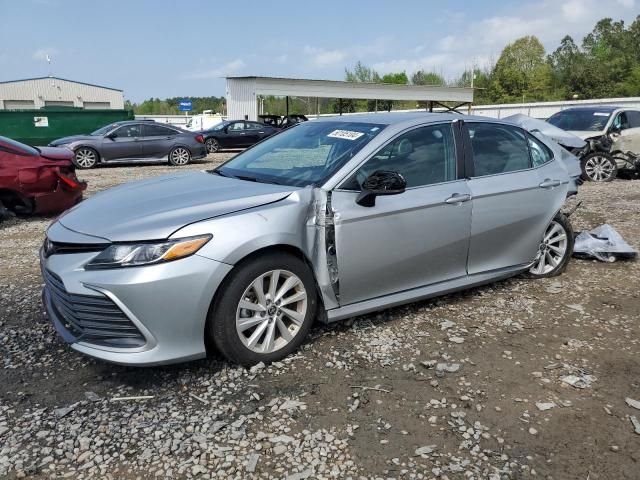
(548, 183)
(458, 198)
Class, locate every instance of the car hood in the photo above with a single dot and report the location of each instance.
(586, 134)
(72, 139)
(155, 208)
(562, 137)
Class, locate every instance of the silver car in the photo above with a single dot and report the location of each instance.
(329, 219)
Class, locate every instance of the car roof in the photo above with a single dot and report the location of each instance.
(408, 118)
(592, 108)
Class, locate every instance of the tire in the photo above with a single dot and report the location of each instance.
(599, 167)
(557, 237)
(212, 145)
(179, 156)
(85, 157)
(249, 344)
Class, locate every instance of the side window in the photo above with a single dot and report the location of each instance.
(158, 131)
(236, 126)
(634, 119)
(423, 156)
(498, 149)
(621, 121)
(128, 131)
(254, 126)
(540, 153)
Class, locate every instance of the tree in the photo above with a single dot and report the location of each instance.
(420, 77)
(521, 72)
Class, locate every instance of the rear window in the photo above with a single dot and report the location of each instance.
(18, 148)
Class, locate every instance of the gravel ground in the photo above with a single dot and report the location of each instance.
(473, 385)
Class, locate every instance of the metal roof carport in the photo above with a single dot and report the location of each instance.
(243, 92)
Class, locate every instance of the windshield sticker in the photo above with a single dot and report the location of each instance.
(345, 134)
(600, 114)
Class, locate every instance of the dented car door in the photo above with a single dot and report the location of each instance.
(404, 241)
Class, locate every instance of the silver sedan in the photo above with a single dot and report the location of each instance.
(330, 219)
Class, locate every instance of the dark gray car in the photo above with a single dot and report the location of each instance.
(132, 141)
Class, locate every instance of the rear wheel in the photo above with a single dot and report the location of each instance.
(555, 249)
(599, 167)
(85, 157)
(212, 145)
(264, 310)
(179, 156)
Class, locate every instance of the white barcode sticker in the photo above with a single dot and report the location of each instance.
(600, 114)
(345, 134)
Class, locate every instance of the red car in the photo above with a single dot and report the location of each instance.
(37, 180)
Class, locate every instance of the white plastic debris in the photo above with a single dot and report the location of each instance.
(632, 403)
(603, 243)
(579, 381)
(636, 424)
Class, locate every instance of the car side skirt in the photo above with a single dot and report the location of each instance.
(421, 293)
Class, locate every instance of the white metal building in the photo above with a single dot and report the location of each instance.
(53, 91)
(243, 92)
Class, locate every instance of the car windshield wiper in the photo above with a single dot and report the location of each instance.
(219, 172)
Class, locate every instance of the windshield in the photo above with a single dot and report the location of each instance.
(580, 120)
(104, 130)
(303, 155)
(219, 126)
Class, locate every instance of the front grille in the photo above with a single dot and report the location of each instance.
(92, 319)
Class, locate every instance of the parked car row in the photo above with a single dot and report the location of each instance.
(612, 135)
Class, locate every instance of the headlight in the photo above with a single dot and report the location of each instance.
(136, 254)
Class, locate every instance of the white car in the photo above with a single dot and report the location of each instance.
(613, 134)
(204, 121)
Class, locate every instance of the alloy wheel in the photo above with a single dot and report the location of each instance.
(180, 156)
(271, 311)
(85, 158)
(212, 145)
(599, 168)
(552, 250)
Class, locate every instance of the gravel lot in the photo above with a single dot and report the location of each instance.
(471, 385)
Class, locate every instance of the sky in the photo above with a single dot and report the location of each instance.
(171, 48)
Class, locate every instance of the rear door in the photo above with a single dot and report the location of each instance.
(409, 240)
(515, 196)
(157, 140)
(123, 143)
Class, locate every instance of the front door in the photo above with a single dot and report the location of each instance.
(123, 143)
(236, 136)
(515, 195)
(404, 241)
(628, 138)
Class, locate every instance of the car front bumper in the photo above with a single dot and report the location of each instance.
(132, 316)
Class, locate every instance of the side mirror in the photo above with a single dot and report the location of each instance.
(380, 182)
(110, 136)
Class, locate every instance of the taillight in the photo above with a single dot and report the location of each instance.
(68, 181)
(199, 139)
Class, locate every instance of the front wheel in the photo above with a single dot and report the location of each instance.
(179, 156)
(599, 167)
(555, 249)
(264, 310)
(85, 157)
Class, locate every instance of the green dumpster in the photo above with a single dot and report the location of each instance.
(39, 127)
